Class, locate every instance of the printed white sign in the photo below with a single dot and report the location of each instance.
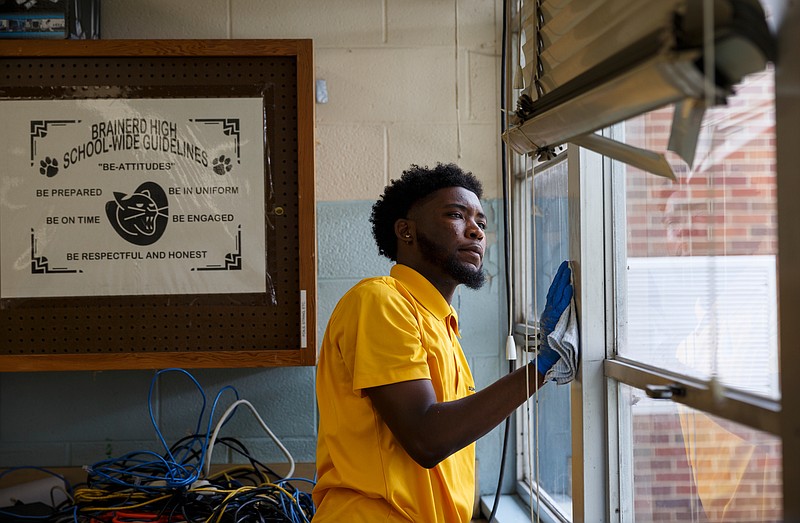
(120, 197)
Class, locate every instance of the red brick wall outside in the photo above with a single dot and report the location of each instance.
(740, 471)
(723, 205)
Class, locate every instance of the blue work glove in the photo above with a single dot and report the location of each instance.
(558, 298)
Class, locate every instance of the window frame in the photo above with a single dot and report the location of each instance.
(602, 489)
(590, 441)
(787, 127)
(597, 433)
(748, 409)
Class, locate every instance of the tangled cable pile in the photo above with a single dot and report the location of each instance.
(177, 486)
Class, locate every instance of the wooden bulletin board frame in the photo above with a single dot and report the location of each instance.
(193, 330)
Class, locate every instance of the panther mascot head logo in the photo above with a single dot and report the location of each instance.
(141, 217)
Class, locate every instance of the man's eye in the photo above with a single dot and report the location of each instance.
(482, 226)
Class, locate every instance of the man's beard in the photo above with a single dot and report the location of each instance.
(463, 273)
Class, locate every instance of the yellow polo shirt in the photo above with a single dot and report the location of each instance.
(388, 330)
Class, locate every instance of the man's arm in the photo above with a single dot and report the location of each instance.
(430, 431)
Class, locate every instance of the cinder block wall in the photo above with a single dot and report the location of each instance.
(408, 82)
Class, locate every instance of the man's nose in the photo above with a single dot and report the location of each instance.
(475, 231)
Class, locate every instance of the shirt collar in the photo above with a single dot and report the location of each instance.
(424, 291)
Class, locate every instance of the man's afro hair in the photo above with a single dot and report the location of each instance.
(415, 183)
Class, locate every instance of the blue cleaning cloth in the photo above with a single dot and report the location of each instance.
(566, 342)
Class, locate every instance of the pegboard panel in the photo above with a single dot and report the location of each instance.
(193, 330)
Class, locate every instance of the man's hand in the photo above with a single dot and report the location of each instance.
(558, 298)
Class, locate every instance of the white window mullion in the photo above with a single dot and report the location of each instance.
(620, 422)
(589, 420)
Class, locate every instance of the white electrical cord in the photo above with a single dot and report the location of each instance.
(222, 420)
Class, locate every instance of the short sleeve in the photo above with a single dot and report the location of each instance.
(379, 336)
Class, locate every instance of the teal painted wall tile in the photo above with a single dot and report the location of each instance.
(73, 406)
(345, 243)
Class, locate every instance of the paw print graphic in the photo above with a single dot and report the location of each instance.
(48, 167)
(222, 165)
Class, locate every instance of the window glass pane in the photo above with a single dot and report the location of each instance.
(691, 466)
(548, 244)
(547, 431)
(701, 251)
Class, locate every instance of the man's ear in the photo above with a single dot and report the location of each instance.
(404, 230)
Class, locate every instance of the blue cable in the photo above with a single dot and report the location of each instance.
(176, 471)
(183, 464)
(185, 478)
(296, 506)
(209, 428)
(150, 405)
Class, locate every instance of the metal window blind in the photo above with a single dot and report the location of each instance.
(587, 64)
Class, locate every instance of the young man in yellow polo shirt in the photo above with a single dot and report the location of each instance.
(398, 409)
